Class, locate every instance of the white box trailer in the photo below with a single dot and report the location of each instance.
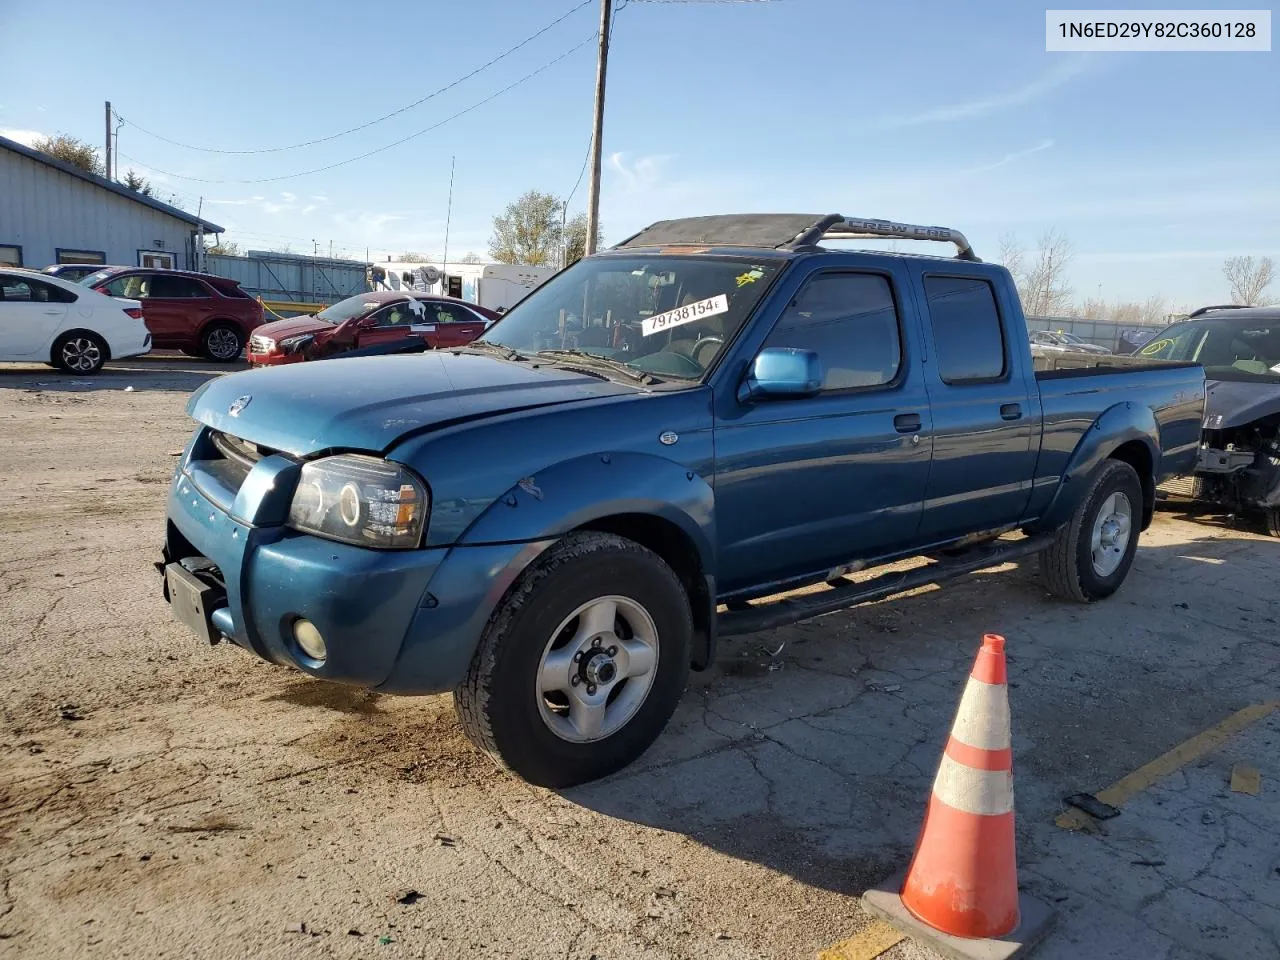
(498, 286)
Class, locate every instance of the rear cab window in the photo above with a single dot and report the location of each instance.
(968, 336)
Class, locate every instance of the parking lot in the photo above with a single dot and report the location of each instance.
(163, 799)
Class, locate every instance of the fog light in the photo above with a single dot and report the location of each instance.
(309, 640)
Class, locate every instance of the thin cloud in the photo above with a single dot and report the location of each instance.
(26, 137)
(1014, 157)
(1060, 76)
(309, 207)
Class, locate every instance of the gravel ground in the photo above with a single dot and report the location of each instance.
(162, 799)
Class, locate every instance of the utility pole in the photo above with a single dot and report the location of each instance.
(107, 156)
(597, 133)
(448, 218)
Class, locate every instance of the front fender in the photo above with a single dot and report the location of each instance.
(1116, 426)
(577, 492)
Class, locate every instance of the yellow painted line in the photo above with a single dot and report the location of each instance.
(1126, 788)
(869, 943)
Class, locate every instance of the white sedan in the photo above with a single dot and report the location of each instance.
(48, 320)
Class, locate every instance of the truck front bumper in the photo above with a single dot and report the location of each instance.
(405, 622)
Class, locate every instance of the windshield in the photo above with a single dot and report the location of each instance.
(670, 316)
(344, 310)
(94, 279)
(1228, 349)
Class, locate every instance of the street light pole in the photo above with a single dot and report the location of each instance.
(597, 133)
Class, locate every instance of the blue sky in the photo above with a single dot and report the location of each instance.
(1157, 166)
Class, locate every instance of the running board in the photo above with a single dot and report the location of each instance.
(777, 613)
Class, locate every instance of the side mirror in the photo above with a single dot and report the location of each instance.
(782, 372)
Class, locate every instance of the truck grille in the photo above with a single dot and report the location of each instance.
(258, 344)
(222, 472)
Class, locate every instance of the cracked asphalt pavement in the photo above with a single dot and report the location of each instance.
(163, 799)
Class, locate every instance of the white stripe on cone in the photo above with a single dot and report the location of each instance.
(986, 793)
(982, 720)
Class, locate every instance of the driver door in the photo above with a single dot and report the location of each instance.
(387, 325)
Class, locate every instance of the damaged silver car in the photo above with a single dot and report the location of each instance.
(1239, 463)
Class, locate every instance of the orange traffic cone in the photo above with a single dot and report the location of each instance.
(961, 889)
(963, 879)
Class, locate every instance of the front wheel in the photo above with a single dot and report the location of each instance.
(582, 664)
(1092, 553)
(1273, 522)
(222, 343)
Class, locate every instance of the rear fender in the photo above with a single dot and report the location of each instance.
(1124, 423)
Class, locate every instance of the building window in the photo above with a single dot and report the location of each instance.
(155, 259)
(66, 255)
(10, 255)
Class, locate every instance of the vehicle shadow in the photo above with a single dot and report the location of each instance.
(811, 749)
(164, 373)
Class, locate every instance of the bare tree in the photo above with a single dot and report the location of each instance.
(1040, 277)
(410, 257)
(225, 248)
(1249, 279)
(1012, 256)
(471, 257)
(70, 150)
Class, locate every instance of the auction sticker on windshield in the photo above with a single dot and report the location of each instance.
(686, 314)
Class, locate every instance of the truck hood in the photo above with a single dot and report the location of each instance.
(368, 403)
(1234, 403)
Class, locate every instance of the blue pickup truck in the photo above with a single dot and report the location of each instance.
(559, 520)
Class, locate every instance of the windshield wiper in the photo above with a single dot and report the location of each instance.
(583, 357)
(488, 346)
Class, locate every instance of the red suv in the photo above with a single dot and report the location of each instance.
(199, 314)
(376, 322)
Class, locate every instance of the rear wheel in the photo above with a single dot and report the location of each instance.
(82, 353)
(1092, 553)
(1273, 522)
(582, 664)
(222, 343)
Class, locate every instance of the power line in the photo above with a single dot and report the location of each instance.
(387, 116)
(413, 136)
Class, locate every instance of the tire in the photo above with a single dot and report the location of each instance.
(510, 710)
(1070, 567)
(80, 352)
(192, 352)
(222, 343)
(1273, 522)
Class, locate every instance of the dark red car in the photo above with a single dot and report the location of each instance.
(383, 320)
(197, 313)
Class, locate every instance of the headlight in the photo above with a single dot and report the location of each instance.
(361, 500)
(294, 344)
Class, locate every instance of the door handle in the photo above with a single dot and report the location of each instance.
(1011, 411)
(52, 313)
(907, 422)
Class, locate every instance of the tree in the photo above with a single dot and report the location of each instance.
(225, 248)
(528, 231)
(471, 257)
(70, 150)
(410, 257)
(575, 238)
(1249, 279)
(136, 181)
(1041, 279)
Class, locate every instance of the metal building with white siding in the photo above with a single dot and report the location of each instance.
(52, 212)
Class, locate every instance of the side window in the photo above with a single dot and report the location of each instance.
(13, 290)
(176, 288)
(48, 293)
(135, 287)
(967, 335)
(850, 321)
(396, 315)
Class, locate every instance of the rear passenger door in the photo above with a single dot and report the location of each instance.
(805, 485)
(986, 415)
(454, 325)
(176, 308)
